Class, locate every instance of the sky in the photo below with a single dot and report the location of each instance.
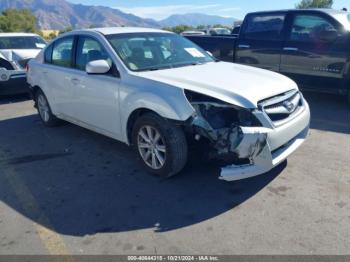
(160, 9)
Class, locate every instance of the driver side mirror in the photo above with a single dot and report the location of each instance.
(97, 67)
(328, 35)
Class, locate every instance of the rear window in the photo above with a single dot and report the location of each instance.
(309, 27)
(62, 52)
(264, 27)
(48, 54)
(22, 42)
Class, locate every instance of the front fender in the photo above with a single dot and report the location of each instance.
(170, 103)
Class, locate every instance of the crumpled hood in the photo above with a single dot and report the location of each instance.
(18, 54)
(241, 85)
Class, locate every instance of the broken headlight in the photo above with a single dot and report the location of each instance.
(220, 114)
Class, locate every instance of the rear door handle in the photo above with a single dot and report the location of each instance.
(244, 46)
(291, 49)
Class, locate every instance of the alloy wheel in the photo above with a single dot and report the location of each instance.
(152, 147)
(43, 108)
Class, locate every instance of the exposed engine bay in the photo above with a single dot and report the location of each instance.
(230, 130)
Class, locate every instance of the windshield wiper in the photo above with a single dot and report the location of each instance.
(154, 68)
(188, 64)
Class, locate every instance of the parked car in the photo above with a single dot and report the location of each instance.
(310, 46)
(219, 31)
(157, 91)
(235, 30)
(192, 32)
(15, 51)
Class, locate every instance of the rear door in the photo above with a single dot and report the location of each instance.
(260, 41)
(58, 76)
(314, 51)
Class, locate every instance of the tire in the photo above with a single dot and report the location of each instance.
(171, 145)
(44, 110)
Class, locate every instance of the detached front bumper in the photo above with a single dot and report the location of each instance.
(13, 82)
(280, 142)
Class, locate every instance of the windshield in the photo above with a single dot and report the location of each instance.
(153, 51)
(344, 19)
(22, 42)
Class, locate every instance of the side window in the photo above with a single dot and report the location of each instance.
(264, 27)
(48, 55)
(308, 28)
(88, 50)
(62, 52)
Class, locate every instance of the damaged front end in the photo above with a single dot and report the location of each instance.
(234, 133)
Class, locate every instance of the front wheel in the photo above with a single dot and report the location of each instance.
(44, 110)
(160, 145)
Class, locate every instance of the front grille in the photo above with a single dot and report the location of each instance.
(281, 107)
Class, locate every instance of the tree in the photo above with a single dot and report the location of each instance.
(179, 28)
(202, 27)
(222, 26)
(52, 35)
(15, 20)
(304, 4)
(65, 30)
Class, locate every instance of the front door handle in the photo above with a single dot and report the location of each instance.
(244, 46)
(294, 49)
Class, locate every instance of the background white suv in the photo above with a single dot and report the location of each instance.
(159, 92)
(15, 51)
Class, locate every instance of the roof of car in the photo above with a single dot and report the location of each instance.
(124, 30)
(16, 34)
(324, 10)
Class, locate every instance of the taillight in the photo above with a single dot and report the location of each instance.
(27, 68)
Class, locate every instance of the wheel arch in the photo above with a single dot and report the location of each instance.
(174, 107)
(34, 90)
(132, 120)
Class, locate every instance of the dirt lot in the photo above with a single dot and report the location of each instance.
(69, 191)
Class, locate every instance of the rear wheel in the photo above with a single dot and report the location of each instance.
(160, 145)
(44, 110)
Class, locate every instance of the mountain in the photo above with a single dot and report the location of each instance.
(196, 19)
(59, 14)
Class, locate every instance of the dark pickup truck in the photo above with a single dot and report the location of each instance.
(310, 46)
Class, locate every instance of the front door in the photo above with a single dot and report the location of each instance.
(260, 41)
(313, 54)
(97, 96)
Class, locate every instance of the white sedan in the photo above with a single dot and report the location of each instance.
(158, 92)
